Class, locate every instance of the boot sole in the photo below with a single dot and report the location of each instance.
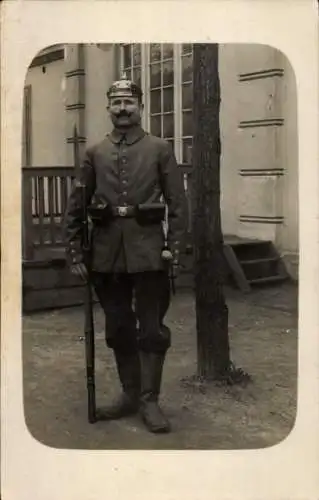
(159, 431)
(164, 429)
(100, 415)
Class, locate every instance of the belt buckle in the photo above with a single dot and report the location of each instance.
(122, 211)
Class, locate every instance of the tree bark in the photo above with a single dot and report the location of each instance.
(213, 353)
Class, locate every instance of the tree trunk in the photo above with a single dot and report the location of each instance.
(211, 309)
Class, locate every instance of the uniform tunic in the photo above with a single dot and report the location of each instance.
(124, 171)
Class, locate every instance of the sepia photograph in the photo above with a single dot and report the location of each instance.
(160, 246)
(159, 250)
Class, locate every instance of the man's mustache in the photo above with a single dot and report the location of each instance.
(123, 113)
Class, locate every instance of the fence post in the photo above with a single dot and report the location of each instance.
(27, 221)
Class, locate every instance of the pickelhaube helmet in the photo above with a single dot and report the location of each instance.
(124, 88)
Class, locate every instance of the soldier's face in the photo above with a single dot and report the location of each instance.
(125, 111)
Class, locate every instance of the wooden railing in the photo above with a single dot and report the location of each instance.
(45, 194)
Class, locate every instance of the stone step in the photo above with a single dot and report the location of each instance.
(259, 261)
(261, 267)
(269, 279)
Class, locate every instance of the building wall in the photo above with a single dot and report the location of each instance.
(99, 74)
(48, 132)
(259, 166)
(288, 238)
(228, 130)
(259, 163)
(258, 134)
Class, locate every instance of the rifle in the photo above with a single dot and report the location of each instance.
(88, 298)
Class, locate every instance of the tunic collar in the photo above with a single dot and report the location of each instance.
(133, 134)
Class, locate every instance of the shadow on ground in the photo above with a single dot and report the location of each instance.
(263, 335)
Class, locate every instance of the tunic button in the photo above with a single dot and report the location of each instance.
(124, 193)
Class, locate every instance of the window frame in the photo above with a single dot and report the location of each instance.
(177, 92)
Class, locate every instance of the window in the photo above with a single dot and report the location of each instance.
(187, 100)
(161, 91)
(132, 62)
(164, 72)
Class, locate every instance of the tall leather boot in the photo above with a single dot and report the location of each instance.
(151, 377)
(128, 367)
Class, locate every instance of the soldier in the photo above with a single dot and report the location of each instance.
(126, 176)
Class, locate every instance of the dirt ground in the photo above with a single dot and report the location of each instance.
(263, 336)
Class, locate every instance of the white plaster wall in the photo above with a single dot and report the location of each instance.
(257, 147)
(255, 57)
(259, 196)
(99, 67)
(289, 238)
(249, 148)
(258, 98)
(228, 130)
(48, 146)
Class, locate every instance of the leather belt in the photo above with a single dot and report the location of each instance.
(124, 211)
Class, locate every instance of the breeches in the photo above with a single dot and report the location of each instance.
(151, 291)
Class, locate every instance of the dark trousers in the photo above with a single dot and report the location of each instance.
(152, 297)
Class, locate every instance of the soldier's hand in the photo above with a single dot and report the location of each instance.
(79, 270)
(167, 255)
(172, 259)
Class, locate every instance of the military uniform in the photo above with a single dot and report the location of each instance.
(125, 173)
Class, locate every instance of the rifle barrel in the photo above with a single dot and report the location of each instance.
(88, 302)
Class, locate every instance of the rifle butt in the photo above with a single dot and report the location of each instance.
(91, 403)
(90, 357)
(90, 376)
